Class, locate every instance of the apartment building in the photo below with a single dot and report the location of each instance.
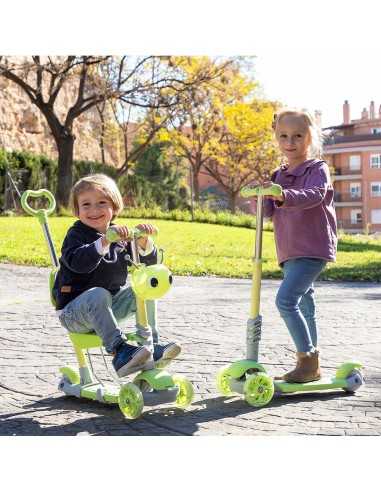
(353, 152)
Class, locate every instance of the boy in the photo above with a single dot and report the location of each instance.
(90, 289)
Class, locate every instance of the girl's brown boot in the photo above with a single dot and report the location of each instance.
(307, 369)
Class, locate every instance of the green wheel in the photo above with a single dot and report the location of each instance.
(258, 389)
(222, 381)
(186, 391)
(130, 401)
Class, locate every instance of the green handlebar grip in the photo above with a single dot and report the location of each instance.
(38, 194)
(113, 236)
(274, 189)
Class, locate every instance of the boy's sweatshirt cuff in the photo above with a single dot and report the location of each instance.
(101, 250)
(149, 248)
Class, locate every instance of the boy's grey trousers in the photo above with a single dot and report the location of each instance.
(97, 310)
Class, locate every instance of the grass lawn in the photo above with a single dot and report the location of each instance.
(193, 249)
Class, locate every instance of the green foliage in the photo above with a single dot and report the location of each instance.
(200, 216)
(83, 168)
(157, 180)
(38, 171)
(34, 171)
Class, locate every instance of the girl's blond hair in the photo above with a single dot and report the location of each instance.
(100, 182)
(316, 147)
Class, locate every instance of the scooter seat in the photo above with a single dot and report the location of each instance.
(85, 340)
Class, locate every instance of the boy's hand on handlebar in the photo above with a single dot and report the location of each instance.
(123, 232)
(146, 229)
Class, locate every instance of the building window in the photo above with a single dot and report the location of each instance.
(375, 216)
(355, 190)
(354, 162)
(375, 189)
(375, 161)
(356, 216)
(376, 131)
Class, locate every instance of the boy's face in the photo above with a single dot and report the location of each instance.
(293, 138)
(95, 209)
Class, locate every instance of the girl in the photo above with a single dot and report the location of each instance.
(305, 233)
(90, 289)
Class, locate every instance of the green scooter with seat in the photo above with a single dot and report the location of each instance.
(148, 388)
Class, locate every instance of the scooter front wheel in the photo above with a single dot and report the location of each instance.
(130, 401)
(258, 389)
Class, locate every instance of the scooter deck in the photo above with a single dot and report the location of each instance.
(110, 393)
(320, 385)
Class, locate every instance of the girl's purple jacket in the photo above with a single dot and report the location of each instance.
(305, 223)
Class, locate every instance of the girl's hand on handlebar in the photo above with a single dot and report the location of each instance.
(268, 184)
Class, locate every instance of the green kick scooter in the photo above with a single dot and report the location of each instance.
(151, 387)
(247, 376)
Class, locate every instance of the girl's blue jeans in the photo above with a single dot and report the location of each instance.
(97, 310)
(295, 300)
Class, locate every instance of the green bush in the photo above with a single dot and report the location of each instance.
(41, 171)
(202, 216)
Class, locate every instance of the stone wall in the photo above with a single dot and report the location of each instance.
(23, 126)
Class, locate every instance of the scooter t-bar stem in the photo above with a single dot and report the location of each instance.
(257, 261)
(143, 328)
(254, 323)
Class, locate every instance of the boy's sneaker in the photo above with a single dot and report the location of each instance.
(129, 359)
(164, 354)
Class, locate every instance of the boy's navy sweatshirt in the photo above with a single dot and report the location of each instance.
(82, 267)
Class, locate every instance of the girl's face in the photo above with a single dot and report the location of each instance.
(294, 138)
(95, 209)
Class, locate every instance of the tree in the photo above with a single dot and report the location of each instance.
(198, 117)
(136, 135)
(244, 151)
(147, 82)
(157, 179)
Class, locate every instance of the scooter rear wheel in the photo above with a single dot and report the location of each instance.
(186, 391)
(222, 381)
(130, 401)
(354, 381)
(258, 389)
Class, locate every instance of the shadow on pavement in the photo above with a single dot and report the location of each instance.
(107, 420)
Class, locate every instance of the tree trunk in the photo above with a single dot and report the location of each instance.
(102, 140)
(233, 201)
(65, 146)
(196, 186)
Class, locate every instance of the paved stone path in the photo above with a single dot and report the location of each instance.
(208, 317)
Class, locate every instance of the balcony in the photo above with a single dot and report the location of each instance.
(348, 225)
(343, 171)
(363, 137)
(347, 197)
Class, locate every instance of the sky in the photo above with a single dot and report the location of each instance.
(309, 54)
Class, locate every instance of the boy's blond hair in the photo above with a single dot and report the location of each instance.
(100, 182)
(316, 146)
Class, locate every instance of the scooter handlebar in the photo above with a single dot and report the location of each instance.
(249, 191)
(113, 236)
(38, 194)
